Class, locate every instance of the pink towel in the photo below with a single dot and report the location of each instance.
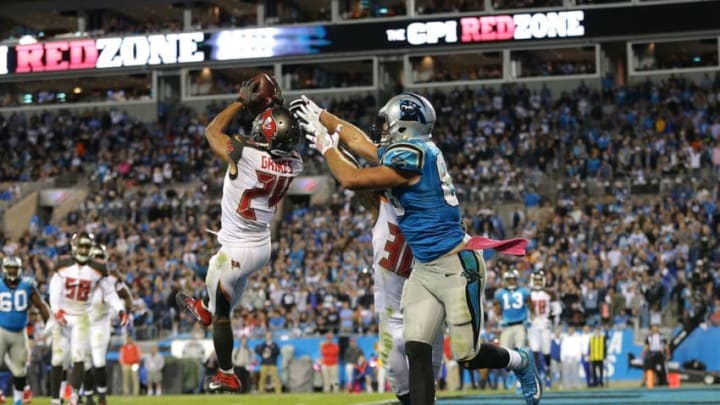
(514, 247)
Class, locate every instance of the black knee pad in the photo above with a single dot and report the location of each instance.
(418, 350)
(19, 383)
(222, 305)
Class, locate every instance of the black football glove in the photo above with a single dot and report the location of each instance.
(249, 93)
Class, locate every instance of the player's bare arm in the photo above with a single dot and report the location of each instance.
(368, 178)
(355, 139)
(41, 305)
(220, 143)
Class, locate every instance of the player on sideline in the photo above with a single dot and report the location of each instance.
(540, 332)
(17, 294)
(71, 289)
(100, 331)
(512, 303)
(448, 279)
(259, 172)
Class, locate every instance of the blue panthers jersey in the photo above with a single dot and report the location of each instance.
(428, 210)
(513, 304)
(15, 303)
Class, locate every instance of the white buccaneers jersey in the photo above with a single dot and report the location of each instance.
(540, 305)
(73, 287)
(249, 200)
(390, 249)
(100, 310)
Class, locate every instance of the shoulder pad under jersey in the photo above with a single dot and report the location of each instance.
(30, 282)
(403, 156)
(100, 267)
(63, 262)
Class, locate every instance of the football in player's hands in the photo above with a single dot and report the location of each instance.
(260, 93)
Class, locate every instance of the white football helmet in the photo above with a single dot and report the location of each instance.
(537, 282)
(511, 279)
(12, 268)
(405, 116)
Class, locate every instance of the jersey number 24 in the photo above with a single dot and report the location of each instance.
(273, 187)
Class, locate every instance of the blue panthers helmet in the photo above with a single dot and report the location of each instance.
(405, 116)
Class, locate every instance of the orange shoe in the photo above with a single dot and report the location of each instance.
(224, 382)
(195, 307)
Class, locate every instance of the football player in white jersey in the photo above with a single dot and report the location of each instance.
(540, 332)
(260, 170)
(100, 330)
(71, 289)
(392, 265)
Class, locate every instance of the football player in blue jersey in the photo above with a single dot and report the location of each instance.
(447, 280)
(17, 294)
(512, 303)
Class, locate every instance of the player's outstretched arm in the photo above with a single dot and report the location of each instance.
(353, 137)
(350, 135)
(349, 176)
(40, 304)
(369, 178)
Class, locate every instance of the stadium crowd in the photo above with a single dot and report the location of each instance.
(620, 259)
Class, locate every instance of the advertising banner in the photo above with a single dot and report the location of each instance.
(378, 35)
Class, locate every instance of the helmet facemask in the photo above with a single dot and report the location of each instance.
(12, 269)
(537, 282)
(511, 279)
(81, 247)
(99, 253)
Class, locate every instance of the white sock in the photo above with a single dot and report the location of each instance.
(101, 390)
(17, 395)
(516, 360)
(158, 390)
(227, 371)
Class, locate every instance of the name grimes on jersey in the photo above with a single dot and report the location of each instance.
(281, 166)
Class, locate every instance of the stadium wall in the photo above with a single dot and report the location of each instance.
(701, 345)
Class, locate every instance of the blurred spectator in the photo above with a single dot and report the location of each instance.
(329, 355)
(154, 363)
(571, 351)
(242, 359)
(130, 363)
(351, 356)
(361, 376)
(598, 353)
(268, 352)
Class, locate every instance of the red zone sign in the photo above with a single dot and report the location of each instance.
(102, 53)
(562, 24)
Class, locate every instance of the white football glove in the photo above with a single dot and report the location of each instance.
(305, 109)
(318, 137)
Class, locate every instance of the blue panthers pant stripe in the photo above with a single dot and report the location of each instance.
(473, 290)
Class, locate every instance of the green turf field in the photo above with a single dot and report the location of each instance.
(249, 399)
